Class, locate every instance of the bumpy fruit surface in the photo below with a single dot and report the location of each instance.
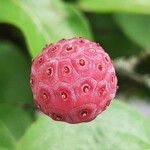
(73, 80)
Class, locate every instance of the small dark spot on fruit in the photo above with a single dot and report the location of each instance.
(40, 60)
(66, 69)
(100, 67)
(31, 82)
(86, 88)
(54, 48)
(106, 58)
(97, 44)
(104, 108)
(63, 95)
(81, 41)
(56, 117)
(82, 62)
(45, 96)
(46, 45)
(108, 102)
(69, 47)
(50, 44)
(103, 91)
(112, 78)
(38, 106)
(49, 71)
(62, 40)
(83, 113)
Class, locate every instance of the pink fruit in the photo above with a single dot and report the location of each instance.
(73, 80)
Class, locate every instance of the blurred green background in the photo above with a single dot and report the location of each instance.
(122, 27)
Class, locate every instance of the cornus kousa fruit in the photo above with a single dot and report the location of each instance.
(73, 80)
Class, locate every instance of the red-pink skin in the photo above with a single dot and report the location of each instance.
(73, 80)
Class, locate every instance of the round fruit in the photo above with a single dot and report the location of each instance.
(73, 80)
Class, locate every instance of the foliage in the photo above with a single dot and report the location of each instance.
(116, 130)
(122, 28)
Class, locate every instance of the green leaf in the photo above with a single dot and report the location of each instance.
(107, 6)
(119, 128)
(7, 141)
(136, 27)
(15, 119)
(110, 36)
(43, 21)
(14, 74)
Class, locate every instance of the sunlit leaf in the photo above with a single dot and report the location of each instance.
(43, 22)
(7, 141)
(119, 128)
(107, 6)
